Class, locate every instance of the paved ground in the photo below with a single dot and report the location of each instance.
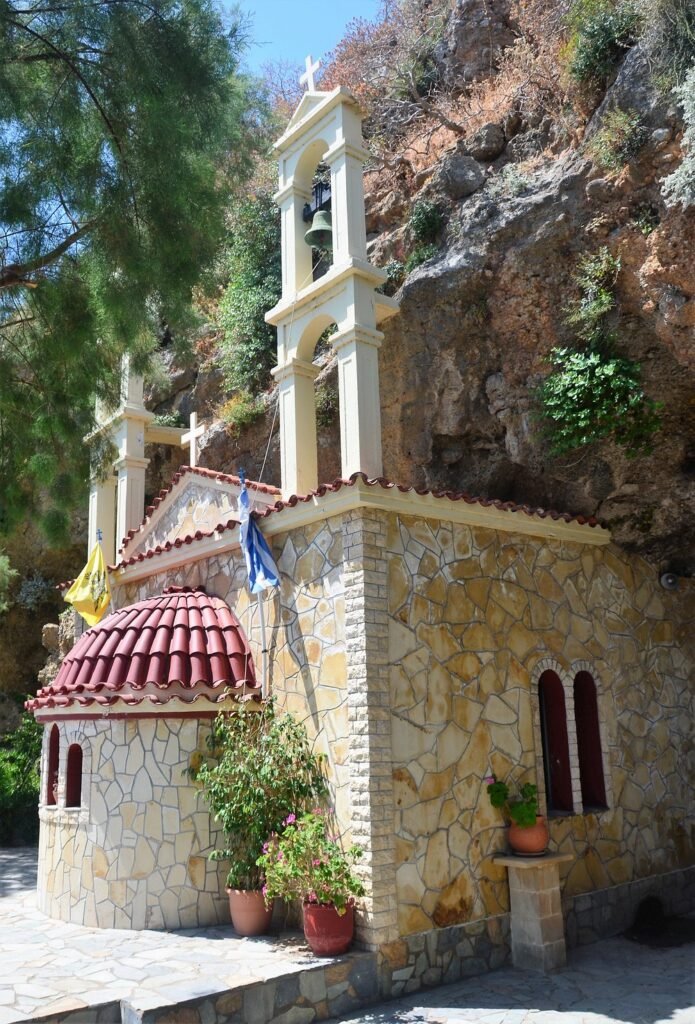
(611, 982)
(46, 965)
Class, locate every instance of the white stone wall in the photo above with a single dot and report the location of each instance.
(135, 854)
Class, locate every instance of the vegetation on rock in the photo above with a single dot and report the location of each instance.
(679, 187)
(20, 752)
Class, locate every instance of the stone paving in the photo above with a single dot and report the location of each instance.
(49, 967)
(609, 982)
(49, 970)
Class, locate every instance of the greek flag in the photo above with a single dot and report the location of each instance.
(260, 566)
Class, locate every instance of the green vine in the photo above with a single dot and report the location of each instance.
(593, 393)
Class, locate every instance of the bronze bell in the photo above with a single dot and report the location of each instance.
(320, 234)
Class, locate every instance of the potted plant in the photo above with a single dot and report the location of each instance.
(260, 769)
(305, 862)
(528, 831)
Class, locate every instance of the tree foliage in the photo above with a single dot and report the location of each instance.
(252, 263)
(20, 751)
(679, 187)
(122, 123)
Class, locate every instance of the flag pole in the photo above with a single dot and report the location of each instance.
(264, 650)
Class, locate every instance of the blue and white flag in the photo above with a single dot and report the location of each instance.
(260, 566)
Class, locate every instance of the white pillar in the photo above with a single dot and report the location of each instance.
(360, 410)
(102, 516)
(347, 202)
(298, 449)
(130, 496)
(296, 254)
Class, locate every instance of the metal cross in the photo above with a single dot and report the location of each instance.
(100, 535)
(191, 437)
(308, 77)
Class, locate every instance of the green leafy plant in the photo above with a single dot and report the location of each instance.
(600, 33)
(679, 187)
(20, 752)
(169, 419)
(396, 275)
(426, 221)
(522, 809)
(304, 862)
(240, 411)
(252, 263)
(619, 139)
(646, 218)
(419, 255)
(668, 37)
(593, 395)
(261, 769)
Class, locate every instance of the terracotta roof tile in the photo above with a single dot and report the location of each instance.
(182, 644)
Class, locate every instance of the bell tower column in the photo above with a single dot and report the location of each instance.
(296, 254)
(102, 516)
(347, 189)
(298, 455)
(360, 411)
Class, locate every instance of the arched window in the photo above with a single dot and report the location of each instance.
(73, 776)
(589, 743)
(52, 773)
(556, 752)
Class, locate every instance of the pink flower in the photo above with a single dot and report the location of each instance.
(490, 780)
(316, 862)
(290, 819)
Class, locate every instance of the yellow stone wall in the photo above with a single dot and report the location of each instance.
(305, 633)
(474, 617)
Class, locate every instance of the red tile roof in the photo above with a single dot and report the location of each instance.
(387, 485)
(181, 644)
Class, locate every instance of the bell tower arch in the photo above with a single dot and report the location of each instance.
(327, 128)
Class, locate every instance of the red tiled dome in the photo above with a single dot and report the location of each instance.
(181, 644)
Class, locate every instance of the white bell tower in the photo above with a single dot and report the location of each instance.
(327, 128)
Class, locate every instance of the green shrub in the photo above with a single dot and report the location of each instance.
(509, 182)
(7, 575)
(240, 411)
(396, 275)
(426, 221)
(20, 753)
(600, 33)
(646, 218)
(593, 395)
(169, 419)
(619, 139)
(34, 591)
(679, 187)
(327, 403)
(668, 35)
(595, 276)
(253, 264)
(419, 255)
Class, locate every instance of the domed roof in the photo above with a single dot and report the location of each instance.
(182, 644)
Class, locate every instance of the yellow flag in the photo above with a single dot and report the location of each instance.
(90, 593)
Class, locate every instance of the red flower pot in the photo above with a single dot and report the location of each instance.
(248, 911)
(328, 932)
(530, 841)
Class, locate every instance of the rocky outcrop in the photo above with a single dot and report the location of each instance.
(476, 33)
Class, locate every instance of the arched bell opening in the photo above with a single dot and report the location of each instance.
(317, 216)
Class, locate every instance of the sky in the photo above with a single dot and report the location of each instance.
(291, 29)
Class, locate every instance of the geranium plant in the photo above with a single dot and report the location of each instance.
(260, 769)
(522, 809)
(306, 862)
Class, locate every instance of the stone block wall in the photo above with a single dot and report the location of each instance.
(474, 617)
(135, 854)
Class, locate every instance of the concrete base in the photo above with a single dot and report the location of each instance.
(538, 929)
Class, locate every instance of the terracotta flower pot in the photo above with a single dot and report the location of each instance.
(328, 932)
(248, 910)
(530, 841)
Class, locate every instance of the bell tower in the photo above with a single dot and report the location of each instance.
(326, 129)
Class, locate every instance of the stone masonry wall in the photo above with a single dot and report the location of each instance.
(474, 617)
(135, 854)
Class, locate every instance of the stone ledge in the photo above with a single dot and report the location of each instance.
(511, 861)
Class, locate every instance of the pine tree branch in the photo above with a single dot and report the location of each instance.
(18, 274)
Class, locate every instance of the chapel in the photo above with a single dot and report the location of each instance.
(427, 640)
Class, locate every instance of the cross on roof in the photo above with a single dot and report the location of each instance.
(191, 437)
(308, 77)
